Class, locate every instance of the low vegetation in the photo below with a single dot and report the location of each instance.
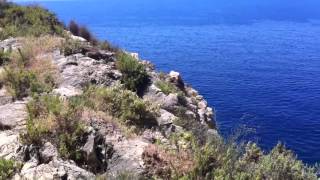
(105, 45)
(122, 104)
(70, 47)
(220, 160)
(58, 121)
(134, 75)
(61, 121)
(4, 57)
(82, 31)
(8, 168)
(166, 87)
(27, 74)
(27, 21)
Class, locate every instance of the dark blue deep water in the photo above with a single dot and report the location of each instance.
(257, 62)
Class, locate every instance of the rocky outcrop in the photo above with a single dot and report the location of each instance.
(78, 70)
(10, 44)
(55, 169)
(107, 148)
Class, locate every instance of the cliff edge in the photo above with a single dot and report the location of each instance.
(74, 107)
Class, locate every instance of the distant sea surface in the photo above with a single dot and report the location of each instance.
(257, 63)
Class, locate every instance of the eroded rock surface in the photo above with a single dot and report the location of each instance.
(107, 148)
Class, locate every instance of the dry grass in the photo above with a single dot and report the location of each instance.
(167, 164)
(114, 125)
(34, 47)
(31, 67)
(41, 45)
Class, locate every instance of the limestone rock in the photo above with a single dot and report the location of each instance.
(67, 91)
(78, 71)
(48, 152)
(170, 101)
(12, 116)
(9, 143)
(191, 92)
(56, 169)
(77, 38)
(10, 44)
(165, 118)
(134, 55)
(127, 156)
(167, 102)
(176, 78)
(101, 55)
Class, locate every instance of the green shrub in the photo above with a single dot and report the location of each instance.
(38, 123)
(120, 103)
(28, 20)
(7, 168)
(105, 45)
(82, 31)
(219, 160)
(58, 121)
(281, 163)
(22, 83)
(70, 47)
(4, 57)
(134, 75)
(166, 87)
(86, 34)
(70, 143)
(73, 28)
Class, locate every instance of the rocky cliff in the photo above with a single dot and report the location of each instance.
(74, 107)
(106, 146)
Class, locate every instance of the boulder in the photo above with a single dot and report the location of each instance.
(127, 156)
(78, 71)
(48, 152)
(98, 55)
(10, 44)
(176, 79)
(77, 38)
(165, 118)
(55, 169)
(202, 104)
(191, 92)
(170, 101)
(12, 115)
(134, 55)
(9, 144)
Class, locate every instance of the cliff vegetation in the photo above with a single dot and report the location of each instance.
(74, 107)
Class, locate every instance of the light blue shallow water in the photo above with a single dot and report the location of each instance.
(257, 63)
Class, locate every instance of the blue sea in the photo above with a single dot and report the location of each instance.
(257, 62)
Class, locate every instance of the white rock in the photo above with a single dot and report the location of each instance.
(174, 75)
(135, 55)
(48, 152)
(67, 91)
(202, 104)
(165, 118)
(78, 38)
(13, 115)
(9, 143)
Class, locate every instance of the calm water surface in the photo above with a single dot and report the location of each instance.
(257, 63)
